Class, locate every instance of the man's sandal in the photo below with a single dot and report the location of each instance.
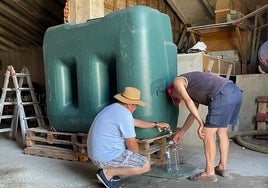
(200, 178)
(220, 172)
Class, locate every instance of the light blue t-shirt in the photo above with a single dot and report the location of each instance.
(107, 133)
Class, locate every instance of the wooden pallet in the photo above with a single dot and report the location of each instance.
(72, 146)
(154, 149)
(43, 141)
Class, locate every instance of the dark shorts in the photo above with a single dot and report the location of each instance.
(126, 159)
(224, 107)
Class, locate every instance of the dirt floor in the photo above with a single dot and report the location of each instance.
(17, 170)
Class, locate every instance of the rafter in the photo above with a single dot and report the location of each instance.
(23, 23)
(208, 7)
(178, 11)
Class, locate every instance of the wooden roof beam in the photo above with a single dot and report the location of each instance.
(7, 43)
(258, 11)
(17, 30)
(16, 39)
(24, 23)
(208, 7)
(3, 48)
(51, 8)
(177, 10)
(23, 8)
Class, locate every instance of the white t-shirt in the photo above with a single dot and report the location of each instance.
(107, 133)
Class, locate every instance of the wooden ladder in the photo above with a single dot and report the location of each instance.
(19, 116)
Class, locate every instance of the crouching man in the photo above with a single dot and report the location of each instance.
(112, 144)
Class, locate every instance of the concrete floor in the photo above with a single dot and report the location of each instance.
(246, 168)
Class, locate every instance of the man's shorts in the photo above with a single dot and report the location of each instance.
(126, 159)
(224, 107)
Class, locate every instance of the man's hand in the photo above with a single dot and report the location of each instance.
(201, 132)
(178, 137)
(132, 144)
(163, 126)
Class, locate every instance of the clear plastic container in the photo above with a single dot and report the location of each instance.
(172, 158)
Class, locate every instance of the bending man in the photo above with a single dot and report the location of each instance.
(223, 99)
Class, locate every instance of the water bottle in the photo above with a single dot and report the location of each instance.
(172, 158)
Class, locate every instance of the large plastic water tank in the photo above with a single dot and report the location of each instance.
(87, 64)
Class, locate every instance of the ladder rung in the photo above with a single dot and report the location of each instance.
(23, 103)
(10, 103)
(6, 116)
(25, 88)
(29, 103)
(22, 74)
(9, 89)
(5, 130)
(21, 88)
(33, 117)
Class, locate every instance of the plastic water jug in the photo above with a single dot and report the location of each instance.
(172, 158)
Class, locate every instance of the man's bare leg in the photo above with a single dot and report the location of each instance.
(223, 147)
(128, 171)
(210, 150)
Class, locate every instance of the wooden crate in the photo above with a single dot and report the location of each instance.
(201, 61)
(43, 141)
(154, 149)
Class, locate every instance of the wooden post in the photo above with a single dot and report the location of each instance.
(79, 11)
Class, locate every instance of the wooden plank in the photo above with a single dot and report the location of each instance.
(262, 110)
(262, 117)
(261, 125)
(163, 143)
(262, 107)
(262, 99)
(154, 149)
(36, 135)
(209, 28)
(182, 38)
(150, 140)
(61, 145)
(221, 15)
(53, 152)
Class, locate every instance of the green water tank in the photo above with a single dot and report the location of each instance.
(87, 64)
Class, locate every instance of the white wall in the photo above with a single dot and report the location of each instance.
(32, 58)
(253, 85)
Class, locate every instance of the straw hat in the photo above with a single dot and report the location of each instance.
(130, 95)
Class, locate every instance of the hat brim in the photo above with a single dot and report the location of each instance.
(128, 101)
(169, 92)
